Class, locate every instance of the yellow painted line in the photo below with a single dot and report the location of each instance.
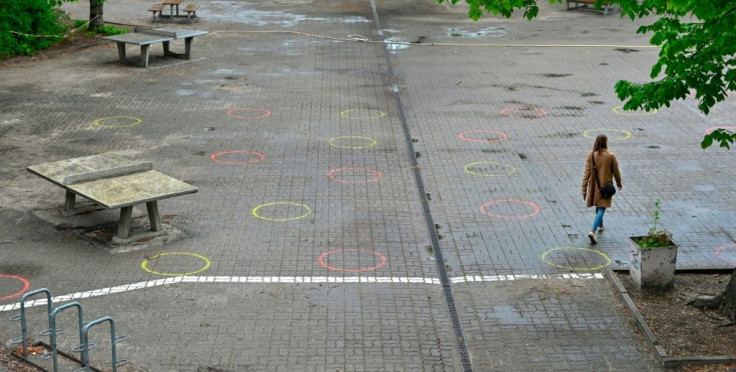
(144, 264)
(256, 209)
(546, 254)
(136, 121)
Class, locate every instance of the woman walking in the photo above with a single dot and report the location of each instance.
(600, 166)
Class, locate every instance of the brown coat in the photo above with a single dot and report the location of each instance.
(607, 166)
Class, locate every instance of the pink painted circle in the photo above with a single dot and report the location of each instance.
(323, 256)
(376, 174)
(501, 136)
(259, 157)
(249, 113)
(711, 129)
(720, 250)
(484, 210)
(21, 279)
(525, 112)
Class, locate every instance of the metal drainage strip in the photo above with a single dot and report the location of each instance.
(462, 346)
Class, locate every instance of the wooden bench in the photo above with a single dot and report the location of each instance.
(156, 8)
(191, 10)
(110, 182)
(144, 37)
(605, 5)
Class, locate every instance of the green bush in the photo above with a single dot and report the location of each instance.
(111, 30)
(103, 29)
(27, 17)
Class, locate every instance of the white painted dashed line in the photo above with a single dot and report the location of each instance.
(292, 280)
(507, 278)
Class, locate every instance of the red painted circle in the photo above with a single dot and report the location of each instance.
(215, 155)
(23, 280)
(709, 130)
(324, 255)
(464, 136)
(251, 113)
(484, 211)
(525, 112)
(720, 249)
(376, 175)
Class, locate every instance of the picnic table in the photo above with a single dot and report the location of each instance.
(158, 8)
(172, 5)
(111, 181)
(144, 37)
(607, 6)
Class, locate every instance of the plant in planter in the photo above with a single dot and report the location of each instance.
(653, 258)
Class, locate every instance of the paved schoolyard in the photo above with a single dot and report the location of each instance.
(362, 206)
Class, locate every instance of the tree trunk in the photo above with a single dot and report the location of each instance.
(728, 303)
(724, 301)
(95, 14)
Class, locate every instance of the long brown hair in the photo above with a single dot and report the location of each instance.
(601, 143)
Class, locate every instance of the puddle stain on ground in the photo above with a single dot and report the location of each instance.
(554, 75)
(488, 31)
(397, 43)
(233, 13)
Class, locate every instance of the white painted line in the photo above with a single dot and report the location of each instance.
(289, 280)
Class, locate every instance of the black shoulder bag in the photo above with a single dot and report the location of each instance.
(607, 190)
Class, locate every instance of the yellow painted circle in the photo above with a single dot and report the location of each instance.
(371, 142)
(256, 209)
(144, 264)
(136, 121)
(355, 114)
(626, 133)
(467, 170)
(545, 254)
(620, 110)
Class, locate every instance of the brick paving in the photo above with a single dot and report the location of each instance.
(309, 220)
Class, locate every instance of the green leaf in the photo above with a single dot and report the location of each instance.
(707, 141)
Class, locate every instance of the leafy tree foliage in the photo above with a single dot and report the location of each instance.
(501, 7)
(697, 42)
(27, 26)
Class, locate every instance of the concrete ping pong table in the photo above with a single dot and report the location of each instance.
(144, 37)
(111, 182)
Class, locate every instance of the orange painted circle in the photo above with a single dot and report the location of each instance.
(323, 256)
(23, 280)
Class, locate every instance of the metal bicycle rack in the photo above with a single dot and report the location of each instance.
(86, 346)
(53, 332)
(23, 339)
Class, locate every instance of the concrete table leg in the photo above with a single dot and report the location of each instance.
(70, 205)
(166, 48)
(69, 201)
(144, 55)
(121, 52)
(153, 215)
(187, 47)
(126, 217)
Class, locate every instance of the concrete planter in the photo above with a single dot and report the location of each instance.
(652, 269)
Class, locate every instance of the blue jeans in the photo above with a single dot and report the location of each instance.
(598, 221)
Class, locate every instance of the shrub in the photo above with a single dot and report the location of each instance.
(111, 30)
(655, 238)
(24, 18)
